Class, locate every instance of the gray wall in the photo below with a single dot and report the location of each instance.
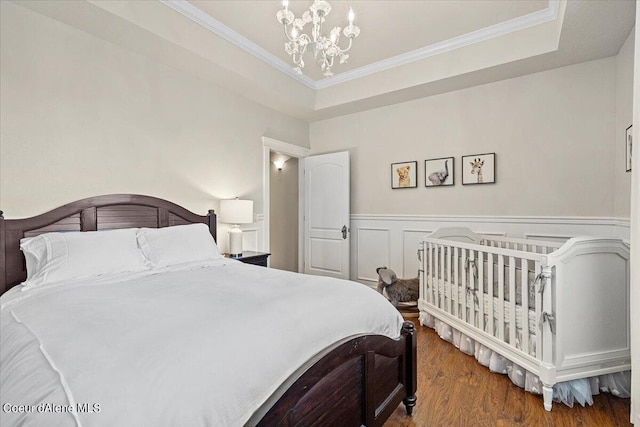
(554, 135)
(81, 117)
(283, 219)
(624, 113)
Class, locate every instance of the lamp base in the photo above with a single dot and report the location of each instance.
(235, 241)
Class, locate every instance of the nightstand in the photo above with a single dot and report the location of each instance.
(251, 257)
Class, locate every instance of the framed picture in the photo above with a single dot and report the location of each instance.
(479, 169)
(438, 172)
(628, 143)
(404, 175)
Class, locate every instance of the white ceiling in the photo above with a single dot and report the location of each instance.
(406, 49)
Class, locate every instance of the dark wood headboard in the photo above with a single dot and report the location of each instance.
(94, 213)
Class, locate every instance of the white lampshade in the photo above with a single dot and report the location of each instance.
(236, 211)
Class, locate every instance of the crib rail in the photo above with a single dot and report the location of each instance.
(535, 246)
(497, 290)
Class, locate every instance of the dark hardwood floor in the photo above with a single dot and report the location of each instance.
(455, 390)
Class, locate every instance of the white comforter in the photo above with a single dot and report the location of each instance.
(199, 345)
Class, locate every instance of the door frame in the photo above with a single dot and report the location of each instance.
(269, 145)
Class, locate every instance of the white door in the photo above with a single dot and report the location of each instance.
(326, 215)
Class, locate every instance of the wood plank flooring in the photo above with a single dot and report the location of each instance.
(455, 390)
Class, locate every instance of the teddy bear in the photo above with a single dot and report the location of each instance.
(398, 290)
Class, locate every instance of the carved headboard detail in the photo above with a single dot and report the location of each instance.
(94, 213)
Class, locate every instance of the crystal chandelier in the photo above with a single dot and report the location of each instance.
(325, 49)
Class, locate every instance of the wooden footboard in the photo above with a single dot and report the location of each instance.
(358, 382)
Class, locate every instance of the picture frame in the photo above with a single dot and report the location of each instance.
(404, 175)
(479, 169)
(628, 147)
(439, 172)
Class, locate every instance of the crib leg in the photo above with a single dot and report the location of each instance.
(547, 394)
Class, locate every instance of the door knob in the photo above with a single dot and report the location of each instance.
(344, 231)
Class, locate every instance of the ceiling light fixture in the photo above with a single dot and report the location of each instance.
(325, 49)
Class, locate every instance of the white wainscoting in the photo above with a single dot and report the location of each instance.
(392, 241)
(253, 235)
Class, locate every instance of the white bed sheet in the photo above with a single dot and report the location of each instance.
(197, 345)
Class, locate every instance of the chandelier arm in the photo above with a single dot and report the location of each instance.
(330, 61)
(286, 33)
(303, 50)
(317, 29)
(304, 37)
(347, 48)
(300, 55)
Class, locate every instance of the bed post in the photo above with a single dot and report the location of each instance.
(411, 366)
(547, 372)
(212, 224)
(3, 255)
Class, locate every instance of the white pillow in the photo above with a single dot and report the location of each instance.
(178, 244)
(52, 257)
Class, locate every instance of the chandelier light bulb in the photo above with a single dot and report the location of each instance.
(325, 47)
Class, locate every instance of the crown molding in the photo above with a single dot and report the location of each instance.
(207, 21)
(483, 34)
(210, 23)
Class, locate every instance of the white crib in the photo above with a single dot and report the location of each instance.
(570, 315)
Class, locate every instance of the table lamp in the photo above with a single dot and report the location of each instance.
(236, 212)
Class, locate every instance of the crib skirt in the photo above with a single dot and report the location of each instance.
(568, 392)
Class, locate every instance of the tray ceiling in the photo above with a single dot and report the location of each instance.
(406, 49)
(388, 28)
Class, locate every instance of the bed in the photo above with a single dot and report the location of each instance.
(189, 342)
(553, 316)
